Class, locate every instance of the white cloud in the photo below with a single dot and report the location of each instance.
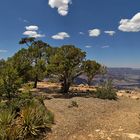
(61, 5)
(61, 36)
(88, 46)
(94, 32)
(32, 28)
(107, 46)
(33, 34)
(31, 31)
(130, 25)
(111, 33)
(3, 51)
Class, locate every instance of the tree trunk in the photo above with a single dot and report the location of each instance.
(35, 82)
(9, 96)
(89, 81)
(65, 86)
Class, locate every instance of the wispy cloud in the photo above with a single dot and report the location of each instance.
(81, 33)
(23, 20)
(3, 51)
(106, 46)
(130, 25)
(111, 33)
(88, 46)
(94, 32)
(61, 5)
(26, 21)
(61, 36)
(31, 31)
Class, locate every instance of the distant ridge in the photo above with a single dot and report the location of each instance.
(123, 78)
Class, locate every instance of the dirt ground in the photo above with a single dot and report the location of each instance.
(95, 119)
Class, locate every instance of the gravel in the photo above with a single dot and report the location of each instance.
(93, 119)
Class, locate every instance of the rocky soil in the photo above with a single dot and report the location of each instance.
(95, 119)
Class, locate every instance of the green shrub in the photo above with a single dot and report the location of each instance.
(28, 87)
(73, 104)
(2, 105)
(41, 99)
(106, 91)
(10, 82)
(49, 118)
(25, 95)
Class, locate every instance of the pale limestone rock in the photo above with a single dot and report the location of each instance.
(90, 135)
(133, 136)
(120, 94)
(135, 97)
(97, 130)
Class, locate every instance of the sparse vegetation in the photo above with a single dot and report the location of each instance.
(73, 104)
(91, 68)
(23, 119)
(9, 80)
(54, 83)
(106, 91)
(22, 115)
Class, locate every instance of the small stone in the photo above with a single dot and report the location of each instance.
(74, 137)
(108, 138)
(132, 136)
(81, 85)
(90, 135)
(120, 129)
(120, 94)
(117, 135)
(135, 97)
(97, 130)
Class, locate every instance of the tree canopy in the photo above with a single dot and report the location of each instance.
(39, 60)
(36, 56)
(91, 68)
(9, 80)
(67, 64)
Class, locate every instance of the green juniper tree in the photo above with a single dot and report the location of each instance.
(37, 56)
(67, 64)
(22, 63)
(2, 63)
(9, 80)
(91, 68)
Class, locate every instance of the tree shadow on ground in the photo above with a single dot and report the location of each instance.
(55, 92)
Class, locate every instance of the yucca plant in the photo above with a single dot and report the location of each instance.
(28, 123)
(31, 120)
(6, 117)
(7, 125)
(35, 118)
(48, 118)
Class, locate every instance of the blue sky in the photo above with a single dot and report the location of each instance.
(108, 30)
